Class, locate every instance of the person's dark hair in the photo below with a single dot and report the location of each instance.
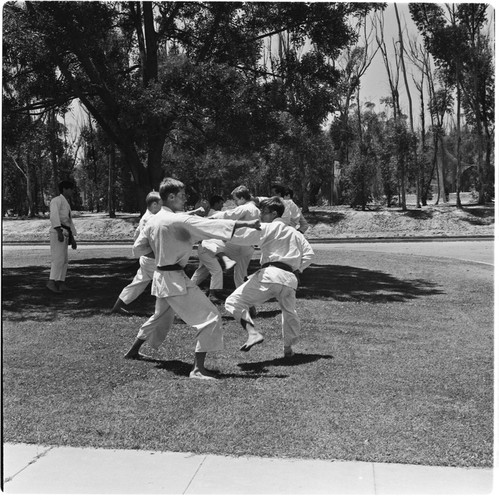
(279, 189)
(289, 192)
(273, 204)
(241, 192)
(66, 185)
(170, 186)
(216, 198)
(152, 197)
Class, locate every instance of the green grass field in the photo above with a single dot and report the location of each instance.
(395, 365)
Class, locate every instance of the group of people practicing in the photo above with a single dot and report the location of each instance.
(225, 239)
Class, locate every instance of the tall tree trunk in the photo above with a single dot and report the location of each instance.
(458, 143)
(361, 152)
(409, 98)
(25, 174)
(110, 190)
(29, 186)
(421, 164)
(441, 171)
(52, 122)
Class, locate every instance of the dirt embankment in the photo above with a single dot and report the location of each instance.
(428, 221)
(325, 223)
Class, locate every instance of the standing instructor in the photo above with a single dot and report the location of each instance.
(62, 233)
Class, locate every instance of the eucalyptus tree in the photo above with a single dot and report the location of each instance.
(455, 37)
(393, 70)
(402, 55)
(353, 63)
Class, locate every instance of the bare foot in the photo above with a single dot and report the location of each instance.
(137, 356)
(253, 339)
(202, 374)
(288, 352)
(228, 263)
(53, 287)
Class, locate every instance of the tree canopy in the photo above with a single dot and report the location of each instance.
(146, 69)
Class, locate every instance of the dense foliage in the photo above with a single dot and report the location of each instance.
(214, 93)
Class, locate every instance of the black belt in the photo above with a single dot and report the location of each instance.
(71, 239)
(280, 265)
(171, 267)
(68, 229)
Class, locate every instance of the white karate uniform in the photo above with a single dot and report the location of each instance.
(208, 249)
(292, 215)
(279, 243)
(145, 272)
(170, 237)
(60, 213)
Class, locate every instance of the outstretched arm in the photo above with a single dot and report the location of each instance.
(250, 224)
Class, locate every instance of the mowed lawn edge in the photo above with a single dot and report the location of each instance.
(395, 365)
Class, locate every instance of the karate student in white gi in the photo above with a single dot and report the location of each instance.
(62, 234)
(301, 224)
(209, 251)
(202, 272)
(292, 215)
(147, 263)
(285, 253)
(292, 212)
(170, 235)
(216, 204)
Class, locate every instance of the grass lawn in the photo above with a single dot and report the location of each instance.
(395, 365)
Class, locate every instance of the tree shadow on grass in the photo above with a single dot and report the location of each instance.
(478, 216)
(97, 283)
(183, 369)
(324, 216)
(354, 284)
(297, 359)
(479, 211)
(418, 214)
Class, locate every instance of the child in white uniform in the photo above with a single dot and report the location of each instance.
(209, 251)
(170, 235)
(285, 252)
(147, 263)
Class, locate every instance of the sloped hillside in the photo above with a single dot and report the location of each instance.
(329, 222)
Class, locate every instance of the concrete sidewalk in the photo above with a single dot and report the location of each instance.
(32, 469)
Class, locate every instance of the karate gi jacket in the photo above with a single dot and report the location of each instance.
(170, 237)
(60, 213)
(246, 211)
(279, 243)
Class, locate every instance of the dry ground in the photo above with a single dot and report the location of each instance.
(325, 222)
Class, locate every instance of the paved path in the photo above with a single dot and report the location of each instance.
(44, 469)
(478, 251)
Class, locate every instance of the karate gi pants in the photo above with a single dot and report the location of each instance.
(59, 256)
(209, 264)
(254, 292)
(195, 309)
(140, 281)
